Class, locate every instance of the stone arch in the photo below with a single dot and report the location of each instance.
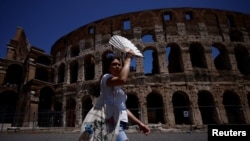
(132, 104)
(58, 114)
(207, 108)
(232, 104)
(8, 104)
(89, 67)
(70, 112)
(133, 65)
(197, 55)
(174, 58)
(86, 105)
(221, 61)
(155, 108)
(45, 112)
(73, 71)
(151, 61)
(181, 105)
(61, 73)
(242, 58)
(14, 74)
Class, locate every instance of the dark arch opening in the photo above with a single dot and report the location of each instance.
(8, 103)
(207, 108)
(233, 108)
(44, 108)
(155, 108)
(181, 107)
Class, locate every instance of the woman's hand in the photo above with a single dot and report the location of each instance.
(145, 129)
(130, 54)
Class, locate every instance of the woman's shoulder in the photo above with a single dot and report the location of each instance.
(107, 75)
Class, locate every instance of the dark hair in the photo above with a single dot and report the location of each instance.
(107, 62)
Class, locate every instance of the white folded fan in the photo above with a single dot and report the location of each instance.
(124, 45)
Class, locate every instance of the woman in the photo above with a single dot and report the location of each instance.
(110, 107)
(114, 97)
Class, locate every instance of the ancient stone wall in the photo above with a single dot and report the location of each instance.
(191, 82)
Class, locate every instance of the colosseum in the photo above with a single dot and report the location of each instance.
(195, 71)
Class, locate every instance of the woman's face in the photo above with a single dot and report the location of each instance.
(115, 67)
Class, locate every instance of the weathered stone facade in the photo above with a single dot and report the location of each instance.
(200, 67)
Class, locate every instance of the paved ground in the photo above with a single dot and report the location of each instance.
(168, 136)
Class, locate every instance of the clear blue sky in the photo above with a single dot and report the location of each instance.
(45, 21)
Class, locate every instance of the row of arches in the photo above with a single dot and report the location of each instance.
(173, 61)
(219, 53)
(152, 64)
(16, 72)
(181, 104)
(12, 107)
(158, 108)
